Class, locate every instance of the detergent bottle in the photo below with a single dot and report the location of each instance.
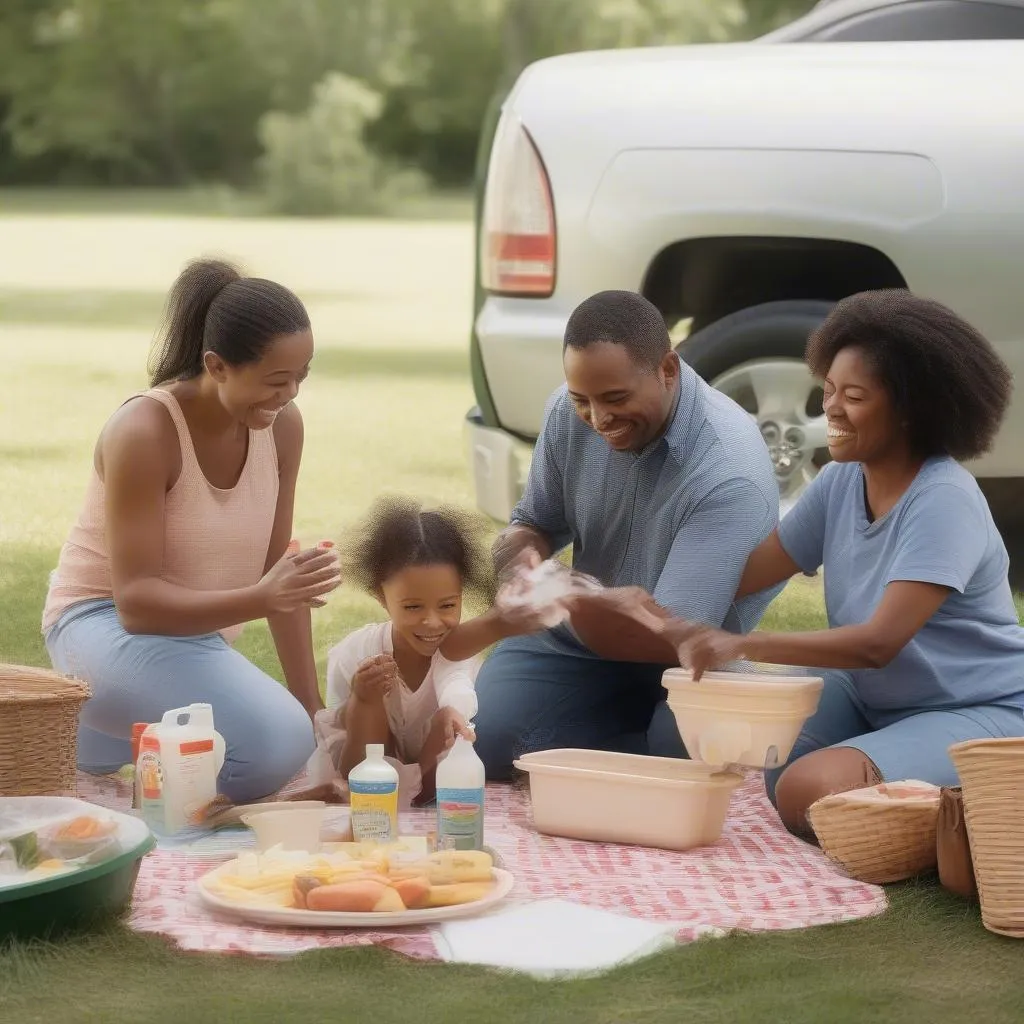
(373, 797)
(180, 758)
(460, 799)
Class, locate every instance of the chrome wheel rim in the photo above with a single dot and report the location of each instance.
(785, 401)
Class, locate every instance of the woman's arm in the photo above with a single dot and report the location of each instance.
(768, 564)
(905, 607)
(138, 458)
(292, 631)
(710, 555)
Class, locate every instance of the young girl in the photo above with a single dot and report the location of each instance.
(389, 682)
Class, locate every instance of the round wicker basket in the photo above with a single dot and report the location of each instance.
(992, 778)
(38, 726)
(877, 835)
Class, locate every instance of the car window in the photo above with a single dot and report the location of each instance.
(927, 20)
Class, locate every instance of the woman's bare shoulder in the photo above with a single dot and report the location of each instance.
(288, 434)
(140, 431)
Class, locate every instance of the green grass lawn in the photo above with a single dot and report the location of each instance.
(383, 408)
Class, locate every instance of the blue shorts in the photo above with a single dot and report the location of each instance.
(902, 745)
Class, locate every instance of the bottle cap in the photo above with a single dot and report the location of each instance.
(374, 751)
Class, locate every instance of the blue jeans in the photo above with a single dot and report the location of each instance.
(534, 698)
(903, 745)
(136, 678)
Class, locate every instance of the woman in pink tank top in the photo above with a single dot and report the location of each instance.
(183, 538)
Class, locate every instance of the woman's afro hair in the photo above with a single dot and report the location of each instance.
(946, 381)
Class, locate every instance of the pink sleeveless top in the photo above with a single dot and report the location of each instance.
(214, 539)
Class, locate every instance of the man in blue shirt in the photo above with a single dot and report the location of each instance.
(658, 482)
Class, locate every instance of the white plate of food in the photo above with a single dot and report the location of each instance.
(339, 890)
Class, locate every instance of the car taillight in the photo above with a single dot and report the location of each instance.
(517, 238)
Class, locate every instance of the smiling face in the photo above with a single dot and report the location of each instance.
(424, 603)
(254, 393)
(863, 424)
(626, 403)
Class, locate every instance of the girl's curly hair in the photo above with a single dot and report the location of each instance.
(398, 532)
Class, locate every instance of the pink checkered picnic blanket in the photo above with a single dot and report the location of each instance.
(757, 877)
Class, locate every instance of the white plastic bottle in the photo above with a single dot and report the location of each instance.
(373, 797)
(460, 799)
(179, 760)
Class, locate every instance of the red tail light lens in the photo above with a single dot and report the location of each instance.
(517, 240)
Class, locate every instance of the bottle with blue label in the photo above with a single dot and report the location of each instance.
(460, 799)
(373, 797)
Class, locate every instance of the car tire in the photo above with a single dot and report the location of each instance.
(756, 356)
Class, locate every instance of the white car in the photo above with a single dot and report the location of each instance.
(744, 189)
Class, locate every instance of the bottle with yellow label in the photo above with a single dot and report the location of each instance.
(373, 797)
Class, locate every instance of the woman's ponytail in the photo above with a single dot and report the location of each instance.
(180, 352)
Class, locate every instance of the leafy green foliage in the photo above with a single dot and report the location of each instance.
(318, 162)
(175, 91)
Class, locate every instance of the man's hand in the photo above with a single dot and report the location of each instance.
(701, 647)
(517, 547)
(452, 725)
(374, 678)
(633, 602)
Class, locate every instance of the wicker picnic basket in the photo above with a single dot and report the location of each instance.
(992, 776)
(38, 725)
(877, 835)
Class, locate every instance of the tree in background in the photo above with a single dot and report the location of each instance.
(469, 49)
(174, 91)
(318, 162)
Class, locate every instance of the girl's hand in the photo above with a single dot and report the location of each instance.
(374, 678)
(453, 725)
(701, 647)
(300, 581)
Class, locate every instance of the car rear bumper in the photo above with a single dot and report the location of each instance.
(498, 463)
(520, 343)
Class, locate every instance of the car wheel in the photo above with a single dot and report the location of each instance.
(756, 357)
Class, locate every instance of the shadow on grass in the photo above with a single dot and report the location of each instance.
(35, 453)
(419, 364)
(88, 307)
(24, 574)
(104, 308)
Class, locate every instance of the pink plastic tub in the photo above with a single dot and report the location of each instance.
(628, 798)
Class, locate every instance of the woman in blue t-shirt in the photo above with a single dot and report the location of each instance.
(924, 648)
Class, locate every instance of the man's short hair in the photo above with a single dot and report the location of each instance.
(620, 318)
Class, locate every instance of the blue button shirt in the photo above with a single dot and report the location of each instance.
(679, 518)
(971, 651)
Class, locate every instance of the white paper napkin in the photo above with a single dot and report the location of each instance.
(551, 938)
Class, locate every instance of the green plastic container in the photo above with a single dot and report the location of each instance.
(79, 900)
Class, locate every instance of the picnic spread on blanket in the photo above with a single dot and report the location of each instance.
(595, 857)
